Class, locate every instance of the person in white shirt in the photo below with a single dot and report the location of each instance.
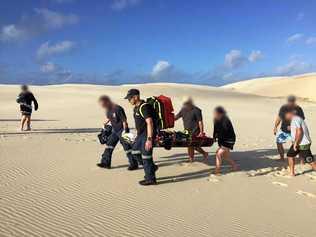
(301, 141)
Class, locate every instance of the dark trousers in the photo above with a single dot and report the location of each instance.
(140, 153)
(111, 144)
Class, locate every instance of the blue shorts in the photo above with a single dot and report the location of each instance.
(283, 137)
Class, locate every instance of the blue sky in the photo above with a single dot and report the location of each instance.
(130, 41)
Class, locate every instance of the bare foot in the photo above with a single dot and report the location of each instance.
(217, 171)
(235, 168)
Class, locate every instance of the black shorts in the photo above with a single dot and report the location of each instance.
(27, 113)
(305, 154)
(229, 145)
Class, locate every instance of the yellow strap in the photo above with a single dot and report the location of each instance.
(140, 109)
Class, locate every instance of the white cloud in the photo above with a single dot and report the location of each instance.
(49, 68)
(160, 67)
(295, 38)
(56, 20)
(311, 41)
(119, 5)
(11, 33)
(41, 21)
(48, 50)
(295, 66)
(255, 55)
(234, 59)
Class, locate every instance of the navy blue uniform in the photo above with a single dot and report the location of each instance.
(141, 113)
(117, 116)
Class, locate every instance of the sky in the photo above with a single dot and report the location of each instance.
(135, 41)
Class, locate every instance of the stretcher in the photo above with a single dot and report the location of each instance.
(169, 140)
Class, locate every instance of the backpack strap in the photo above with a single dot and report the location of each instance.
(140, 109)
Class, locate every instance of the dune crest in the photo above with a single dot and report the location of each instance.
(302, 86)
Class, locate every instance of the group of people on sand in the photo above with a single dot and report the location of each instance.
(140, 153)
(293, 128)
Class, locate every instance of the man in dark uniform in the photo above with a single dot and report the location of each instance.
(144, 116)
(284, 134)
(25, 99)
(193, 123)
(115, 115)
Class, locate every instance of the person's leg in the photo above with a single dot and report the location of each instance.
(106, 159)
(291, 154)
(204, 153)
(136, 150)
(191, 153)
(281, 150)
(219, 157)
(226, 156)
(28, 122)
(291, 161)
(149, 165)
(133, 164)
(23, 120)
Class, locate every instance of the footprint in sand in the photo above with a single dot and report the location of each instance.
(311, 176)
(306, 194)
(280, 184)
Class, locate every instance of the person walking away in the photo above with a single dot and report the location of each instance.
(115, 115)
(224, 134)
(144, 117)
(193, 122)
(301, 140)
(25, 99)
(284, 134)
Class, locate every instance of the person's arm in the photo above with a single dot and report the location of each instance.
(276, 125)
(199, 118)
(124, 120)
(150, 129)
(35, 102)
(201, 127)
(298, 137)
(106, 121)
(178, 115)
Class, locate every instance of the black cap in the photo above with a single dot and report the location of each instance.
(131, 93)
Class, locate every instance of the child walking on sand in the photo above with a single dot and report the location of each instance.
(224, 134)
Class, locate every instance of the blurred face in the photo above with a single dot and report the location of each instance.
(217, 116)
(133, 100)
(288, 116)
(291, 102)
(105, 104)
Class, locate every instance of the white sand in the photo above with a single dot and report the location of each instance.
(50, 186)
(302, 86)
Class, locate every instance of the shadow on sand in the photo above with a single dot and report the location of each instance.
(246, 160)
(56, 131)
(33, 120)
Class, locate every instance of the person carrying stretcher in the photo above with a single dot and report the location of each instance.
(193, 122)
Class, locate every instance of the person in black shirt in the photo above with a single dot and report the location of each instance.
(193, 123)
(284, 134)
(144, 116)
(224, 134)
(25, 99)
(115, 115)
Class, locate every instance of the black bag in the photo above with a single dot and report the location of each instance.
(105, 134)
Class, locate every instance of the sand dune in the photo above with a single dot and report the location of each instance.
(50, 185)
(302, 86)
